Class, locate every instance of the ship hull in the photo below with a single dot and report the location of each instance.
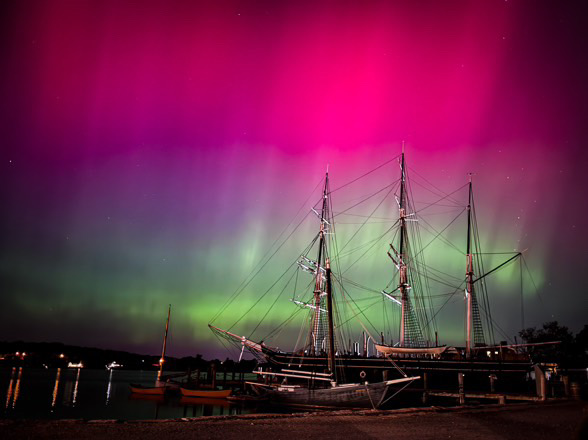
(441, 373)
(149, 391)
(215, 394)
(368, 395)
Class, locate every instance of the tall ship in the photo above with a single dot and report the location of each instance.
(338, 337)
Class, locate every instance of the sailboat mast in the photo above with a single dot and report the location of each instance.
(319, 278)
(162, 360)
(402, 266)
(469, 275)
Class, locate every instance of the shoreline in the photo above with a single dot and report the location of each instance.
(562, 419)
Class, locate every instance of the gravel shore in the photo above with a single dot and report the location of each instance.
(554, 420)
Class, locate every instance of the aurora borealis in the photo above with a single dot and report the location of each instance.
(152, 151)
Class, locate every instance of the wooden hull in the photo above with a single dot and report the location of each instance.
(210, 394)
(431, 351)
(407, 363)
(151, 391)
(512, 375)
(369, 395)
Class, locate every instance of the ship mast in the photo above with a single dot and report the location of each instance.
(318, 288)
(162, 360)
(403, 282)
(331, 326)
(469, 275)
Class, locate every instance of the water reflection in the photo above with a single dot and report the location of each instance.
(157, 401)
(9, 391)
(109, 387)
(17, 388)
(77, 397)
(75, 392)
(55, 389)
(70, 388)
(198, 406)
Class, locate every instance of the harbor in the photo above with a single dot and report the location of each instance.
(30, 393)
(293, 220)
(86, 394)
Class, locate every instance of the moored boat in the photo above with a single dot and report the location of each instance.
(162, 385)
(411, 298)
(211, 394)
(152, 391)
(352, 395)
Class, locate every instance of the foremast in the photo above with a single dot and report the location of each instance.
(317, 328)
(474, 331)
(410, 334)
(322, 290)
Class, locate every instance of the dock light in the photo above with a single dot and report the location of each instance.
(161, 361)
(61, 356)
(18, 353)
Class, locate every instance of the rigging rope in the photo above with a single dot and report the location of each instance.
(245, 283)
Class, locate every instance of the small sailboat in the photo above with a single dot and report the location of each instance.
(161, 386)
(146, 390)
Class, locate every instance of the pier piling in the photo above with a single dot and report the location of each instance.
(425, 388)
(213, 375)
(461, 390)
(492, 383)
(540, 382)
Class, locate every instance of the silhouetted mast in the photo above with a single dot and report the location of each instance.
(469, 275)
(403, 281)
(162, 360)
(318, 288)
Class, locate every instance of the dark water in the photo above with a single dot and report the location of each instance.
(68, 393)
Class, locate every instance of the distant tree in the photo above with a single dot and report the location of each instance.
(582, 344)
(566, 352)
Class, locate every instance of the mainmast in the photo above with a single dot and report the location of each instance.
(318, 288)
(403, 281)
(469, 275)
(162, 360)
(474, 329)
(410, 332)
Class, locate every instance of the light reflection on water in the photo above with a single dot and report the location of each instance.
(55, 389)
(13, 390)
(109, 386)
(75, 393)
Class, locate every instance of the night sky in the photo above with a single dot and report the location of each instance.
(152, 151)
